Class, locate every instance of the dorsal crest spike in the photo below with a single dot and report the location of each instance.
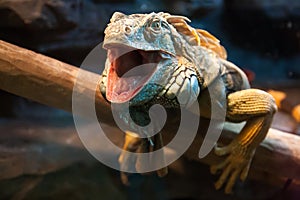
(197, 37)
(170, 17)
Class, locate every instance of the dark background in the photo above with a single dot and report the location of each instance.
(261, 36)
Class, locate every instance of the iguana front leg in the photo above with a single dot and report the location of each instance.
(257, 108)
(134, 144)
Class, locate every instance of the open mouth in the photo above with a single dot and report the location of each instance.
(130, 69)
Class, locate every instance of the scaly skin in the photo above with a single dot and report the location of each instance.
(187, 61)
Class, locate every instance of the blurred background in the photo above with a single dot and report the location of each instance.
(40, 153)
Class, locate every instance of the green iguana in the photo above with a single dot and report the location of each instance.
(187, 61)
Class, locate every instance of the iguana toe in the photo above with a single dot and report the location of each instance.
(235, 165)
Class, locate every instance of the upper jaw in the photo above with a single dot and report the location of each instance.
(126, 43)
(116, 49)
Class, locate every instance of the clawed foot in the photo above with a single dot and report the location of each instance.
(136, 162)
(126, 159)
(236, 165)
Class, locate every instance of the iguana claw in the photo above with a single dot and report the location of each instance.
(135, 144)
(236, 165)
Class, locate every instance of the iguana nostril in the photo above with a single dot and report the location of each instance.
(127, 30)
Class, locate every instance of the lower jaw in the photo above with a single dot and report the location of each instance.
(125, 88)
(116, 95)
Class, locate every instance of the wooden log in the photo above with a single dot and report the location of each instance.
(46, 80)
(51, 82)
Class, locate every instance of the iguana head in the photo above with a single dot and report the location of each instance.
(142, 54)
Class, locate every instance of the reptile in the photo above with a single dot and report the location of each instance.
(188, 61)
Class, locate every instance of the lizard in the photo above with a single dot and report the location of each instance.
(187, 61)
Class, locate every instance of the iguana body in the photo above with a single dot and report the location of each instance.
(188, 63)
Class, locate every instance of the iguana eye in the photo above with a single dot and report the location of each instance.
(155, 25)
